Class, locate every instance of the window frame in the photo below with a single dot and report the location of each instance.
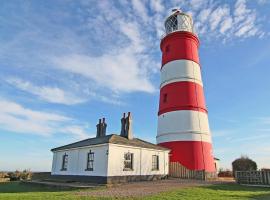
(64, 162)
(155, 162)
(90, 161)
(129, 161)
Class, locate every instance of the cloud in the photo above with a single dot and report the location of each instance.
(16, 118)
(227, 22)
(115, 72)
(262, 2)
(263, 120)
(49, 94)
(76, 131)
(222, 133)
(107, 48)
(157, 5)
(140, 9)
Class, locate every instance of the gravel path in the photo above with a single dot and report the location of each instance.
(139, 189)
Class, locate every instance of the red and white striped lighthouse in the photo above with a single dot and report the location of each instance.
(182, 118)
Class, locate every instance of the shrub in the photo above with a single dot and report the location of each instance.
(243, 164)
(17, 175)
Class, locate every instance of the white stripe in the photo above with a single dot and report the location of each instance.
(183, 137)
(180, 70)
(187, 124)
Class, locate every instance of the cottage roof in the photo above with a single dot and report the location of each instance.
(113, 139)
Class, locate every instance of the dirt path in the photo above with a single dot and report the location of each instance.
(139, 189)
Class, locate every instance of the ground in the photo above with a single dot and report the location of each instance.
(165, 189)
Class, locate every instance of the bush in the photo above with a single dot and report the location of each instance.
(17, 175)
(243, 164)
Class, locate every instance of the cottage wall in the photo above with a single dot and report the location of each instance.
(109, 162)
(142, 163)
(77, 161)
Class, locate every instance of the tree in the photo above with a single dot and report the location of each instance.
(243, 164)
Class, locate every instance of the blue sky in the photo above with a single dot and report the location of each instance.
(64, 64)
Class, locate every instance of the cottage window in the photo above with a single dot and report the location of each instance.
(64, 162)
(155, 162)
(90, 161)
(128, 161)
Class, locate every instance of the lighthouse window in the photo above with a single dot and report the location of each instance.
(165, 98)
(64, 162)
(128, 161)
(155, 162)
(167, 48)
(90, 161)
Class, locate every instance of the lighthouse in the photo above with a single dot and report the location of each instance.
(182, 117)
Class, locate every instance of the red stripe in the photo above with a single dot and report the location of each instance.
(183, 95)
(179, 45)
(194, 155)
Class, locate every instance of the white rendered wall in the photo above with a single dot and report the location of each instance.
(77, 160)
(217, 165)
(111, 164)
(142, 161)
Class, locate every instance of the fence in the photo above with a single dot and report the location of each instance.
(253, 177)
(179, 171)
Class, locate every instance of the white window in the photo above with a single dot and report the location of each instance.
(155, 162)
(64, 162)
(90, 161)
(128, 161)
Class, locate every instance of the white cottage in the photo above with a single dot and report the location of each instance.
(110, 158)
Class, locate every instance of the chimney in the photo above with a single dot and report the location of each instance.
(98, 128)
(101, 128)
(123, 125)
(129, 133)
(126, 126)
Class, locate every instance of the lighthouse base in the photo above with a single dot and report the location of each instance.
(177, 170)
(194, 155)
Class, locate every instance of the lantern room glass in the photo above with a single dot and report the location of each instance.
(178, 21)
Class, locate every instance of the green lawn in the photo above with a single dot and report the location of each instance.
(16, 190)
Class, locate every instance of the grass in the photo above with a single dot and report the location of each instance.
(20, 191)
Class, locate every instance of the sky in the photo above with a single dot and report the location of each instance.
(65, 64)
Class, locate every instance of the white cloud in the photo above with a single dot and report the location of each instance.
(263, 120)
(157, 5)
(16, 118)
(222, 133)
(217, 16)
(127, 67)
(197, 4)
(49, 94)
(119, 72)
(140, 9)
(262, 2)
(204, 14)
(113, 47)
(227, 22)
(76, 131)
